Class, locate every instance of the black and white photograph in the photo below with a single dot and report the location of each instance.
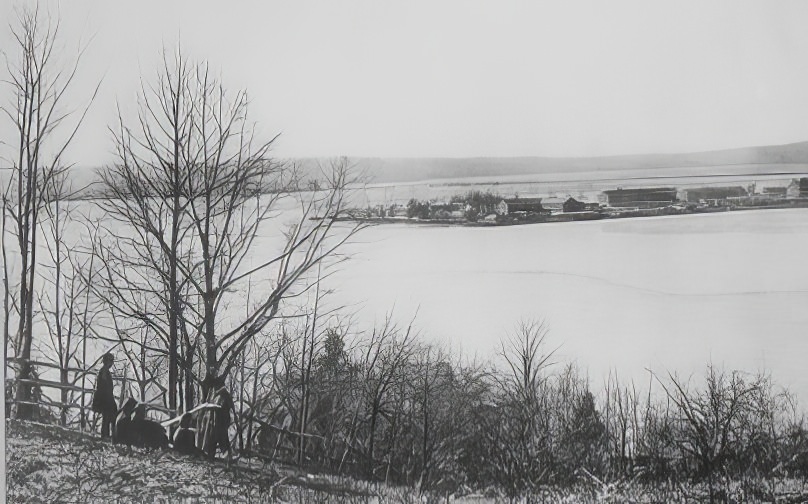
(404, 251)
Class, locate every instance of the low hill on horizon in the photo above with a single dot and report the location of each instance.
(390, 170)
(380, 170)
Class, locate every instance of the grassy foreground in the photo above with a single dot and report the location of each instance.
(50, 464)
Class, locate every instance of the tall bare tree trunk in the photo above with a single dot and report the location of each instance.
(38, 82)
(197, 187)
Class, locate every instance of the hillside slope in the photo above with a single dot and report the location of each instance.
(50, 464)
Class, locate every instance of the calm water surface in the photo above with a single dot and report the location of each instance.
(668, 293)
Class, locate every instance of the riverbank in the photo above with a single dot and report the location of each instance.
(604, 213)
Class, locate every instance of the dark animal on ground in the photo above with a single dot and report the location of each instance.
(123, 425)
(147, 433)
(184, 438)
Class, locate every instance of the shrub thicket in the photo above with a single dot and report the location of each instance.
(388, 407)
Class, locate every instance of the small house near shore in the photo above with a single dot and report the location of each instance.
(573, 205)
(512, 205)
(774, 192)
(798, 188)
(553, 204)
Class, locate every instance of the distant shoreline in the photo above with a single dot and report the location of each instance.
(577, 216)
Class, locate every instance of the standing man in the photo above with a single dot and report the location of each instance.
(215, 422)
(104, 397)
(221, 423)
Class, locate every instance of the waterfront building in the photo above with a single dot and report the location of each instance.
(528, 205)
(713, 195)
(647, 197)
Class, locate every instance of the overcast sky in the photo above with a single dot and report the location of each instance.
(461, 79)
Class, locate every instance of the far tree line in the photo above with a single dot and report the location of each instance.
(472, 204)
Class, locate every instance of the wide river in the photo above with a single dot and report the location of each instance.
(667, 293)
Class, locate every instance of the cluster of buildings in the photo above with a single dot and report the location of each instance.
(649, 199)
(544, 205)
(658, 197)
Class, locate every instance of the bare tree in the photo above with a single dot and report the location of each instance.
(144, 192)
(252, 394)
(434, 391)
(65, 303)
(711, 421)
(191, 193)
(8, 299)
(522, 442)
(39, 82)
(385, 355)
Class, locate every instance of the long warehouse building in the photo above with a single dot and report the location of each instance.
(647, 197)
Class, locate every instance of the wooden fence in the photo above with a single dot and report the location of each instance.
(285, 448)
(82, 383)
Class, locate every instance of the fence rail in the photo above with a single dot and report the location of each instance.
(47, 364)
(52, 384)
(72, 386)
